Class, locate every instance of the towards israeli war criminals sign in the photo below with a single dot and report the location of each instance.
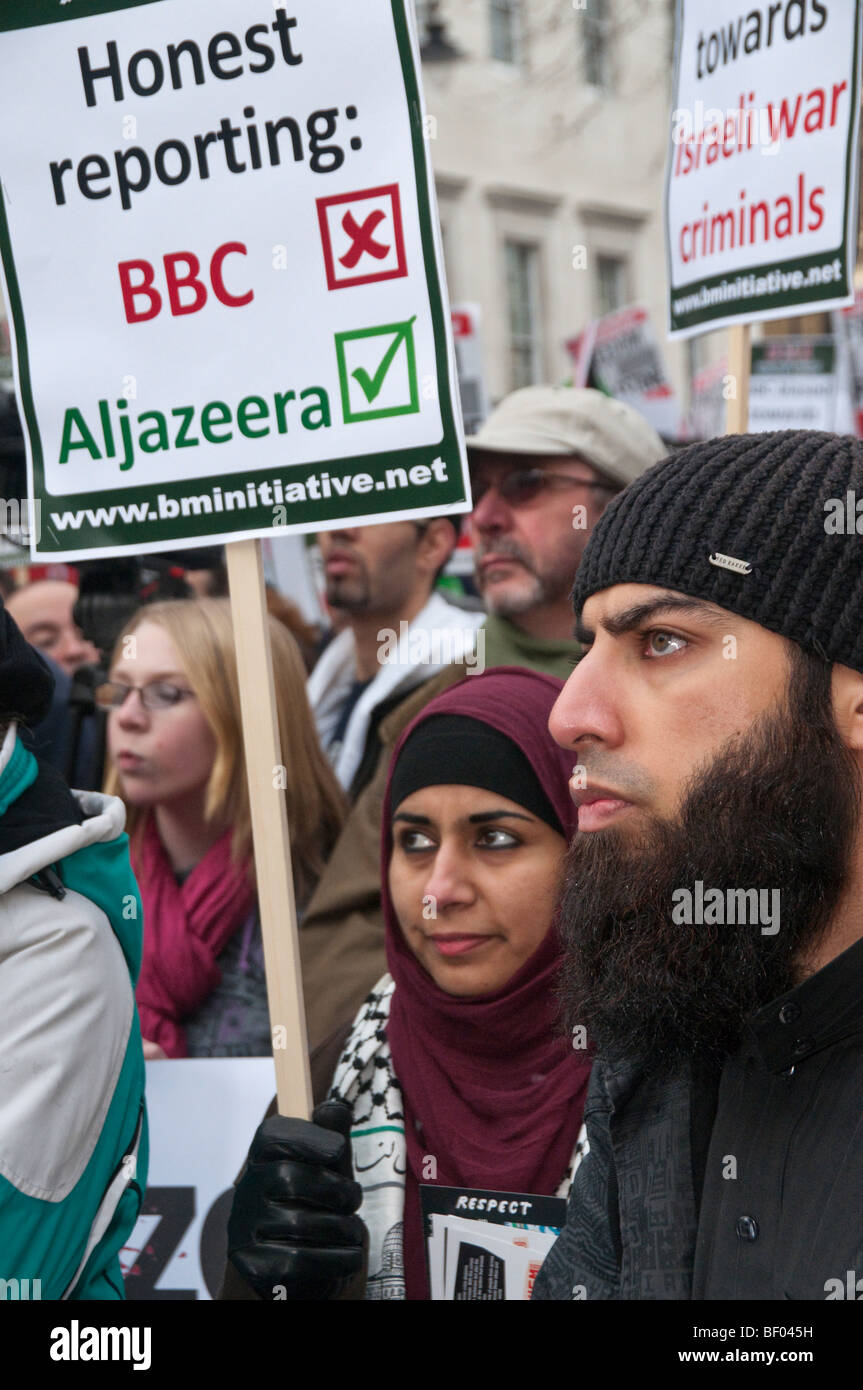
(761, 191)
(223, 270)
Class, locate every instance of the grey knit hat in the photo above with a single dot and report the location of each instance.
(764, 525)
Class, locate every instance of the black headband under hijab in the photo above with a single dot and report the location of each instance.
(26, 683)
(456, 749)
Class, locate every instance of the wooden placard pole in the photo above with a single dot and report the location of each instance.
(739, 366)
(270, 835)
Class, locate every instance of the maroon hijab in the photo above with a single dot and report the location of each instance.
(492, 1090)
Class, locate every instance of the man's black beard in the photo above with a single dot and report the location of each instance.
(777, 808)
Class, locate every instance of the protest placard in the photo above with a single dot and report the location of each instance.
(223, 268)
(467, 331)
(580, 349)
(202, 1113)
(793, 385)
(288, 566)
(624, 359)
(218, 228)
(848, 331)
(762, 173)
(707, 401)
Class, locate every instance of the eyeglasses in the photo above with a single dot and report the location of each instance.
(155, 695)
(523, 485)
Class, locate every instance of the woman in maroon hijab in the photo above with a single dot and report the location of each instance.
(454, 1071)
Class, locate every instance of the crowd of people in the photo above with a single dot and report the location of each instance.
(499, 800)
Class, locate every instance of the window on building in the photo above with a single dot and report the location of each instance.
(612, 283)
(596, 40)
(525, 314)
(505, 30)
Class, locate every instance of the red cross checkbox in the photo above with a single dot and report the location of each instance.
(362, 236)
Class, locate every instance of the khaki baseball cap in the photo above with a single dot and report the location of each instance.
(553, 420)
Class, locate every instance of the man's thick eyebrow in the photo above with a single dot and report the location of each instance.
(629, 619)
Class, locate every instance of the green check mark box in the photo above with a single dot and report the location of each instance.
(378, 365)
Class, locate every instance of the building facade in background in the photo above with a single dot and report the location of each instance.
(547, 127)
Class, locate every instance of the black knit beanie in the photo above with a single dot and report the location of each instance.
(455, 749)
(26, 683)
(765, 525)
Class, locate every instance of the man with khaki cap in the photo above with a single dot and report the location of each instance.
(543, 468)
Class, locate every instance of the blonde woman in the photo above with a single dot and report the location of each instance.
(176, 759)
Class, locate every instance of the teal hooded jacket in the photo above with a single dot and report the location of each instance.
(73, 1129)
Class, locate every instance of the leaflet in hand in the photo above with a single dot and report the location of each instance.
(486, 1246)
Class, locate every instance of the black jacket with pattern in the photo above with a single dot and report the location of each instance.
(632, 1217)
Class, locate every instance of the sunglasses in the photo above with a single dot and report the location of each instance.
(155, 695)
(523, 485)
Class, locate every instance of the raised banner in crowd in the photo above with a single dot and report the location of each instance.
(467, 332)
(848, 331)
(625, 360)
(708, 401)
(794, 384)
(201, 1113)
(223, 268)
(761, 184)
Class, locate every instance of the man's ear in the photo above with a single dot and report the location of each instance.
(848, 706)
(437, 543)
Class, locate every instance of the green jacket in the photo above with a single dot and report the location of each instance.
(507, 645)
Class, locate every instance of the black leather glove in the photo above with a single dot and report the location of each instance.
(292, 1231)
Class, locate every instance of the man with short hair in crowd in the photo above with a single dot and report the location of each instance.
(712, 917)
(44, 611)
(543, 467)
(70, 736)
(398, 633)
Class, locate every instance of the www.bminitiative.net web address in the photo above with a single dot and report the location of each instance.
(754, 286)
(277, 495)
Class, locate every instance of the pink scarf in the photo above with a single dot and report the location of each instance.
(186, 928)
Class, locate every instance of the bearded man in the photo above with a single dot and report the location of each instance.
(712, 913)
(398, 632)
